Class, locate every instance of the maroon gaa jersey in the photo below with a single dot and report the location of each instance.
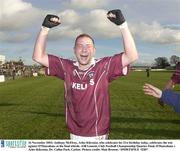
(87, 101)
(176, 75)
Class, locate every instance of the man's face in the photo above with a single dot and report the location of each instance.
(84, 51)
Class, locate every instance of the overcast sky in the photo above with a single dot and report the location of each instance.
(155, 25)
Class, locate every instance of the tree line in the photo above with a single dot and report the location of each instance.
(163, 62)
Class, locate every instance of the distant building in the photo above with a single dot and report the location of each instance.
(2, 59)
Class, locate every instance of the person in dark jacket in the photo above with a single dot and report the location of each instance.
(175, 79)
(167, 96)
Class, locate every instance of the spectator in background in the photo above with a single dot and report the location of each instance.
(14, 73)
(148, 72)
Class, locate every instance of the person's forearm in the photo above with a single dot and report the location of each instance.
(39, 54)
(130, 52)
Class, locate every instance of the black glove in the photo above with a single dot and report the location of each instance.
(48, 23)
(118, 19)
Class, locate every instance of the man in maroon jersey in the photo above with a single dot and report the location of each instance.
(86, 80)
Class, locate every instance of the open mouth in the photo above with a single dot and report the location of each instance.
(84, 57)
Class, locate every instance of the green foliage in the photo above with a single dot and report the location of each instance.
(33, 108)
(161, 62)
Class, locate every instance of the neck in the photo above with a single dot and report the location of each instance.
(84, 67)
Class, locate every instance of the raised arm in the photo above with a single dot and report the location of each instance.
(130, 52)
(40, 54)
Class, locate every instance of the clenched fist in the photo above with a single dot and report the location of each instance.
(116, 16)
(51, 21)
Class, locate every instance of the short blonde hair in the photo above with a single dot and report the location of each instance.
(84, 35)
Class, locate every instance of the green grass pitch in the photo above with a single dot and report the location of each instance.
(33, 108)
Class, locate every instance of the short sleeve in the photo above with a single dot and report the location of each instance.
(56, 67)
(115, 68)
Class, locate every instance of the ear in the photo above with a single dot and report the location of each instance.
(94, 52)
(74, 49)
(74, 52)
